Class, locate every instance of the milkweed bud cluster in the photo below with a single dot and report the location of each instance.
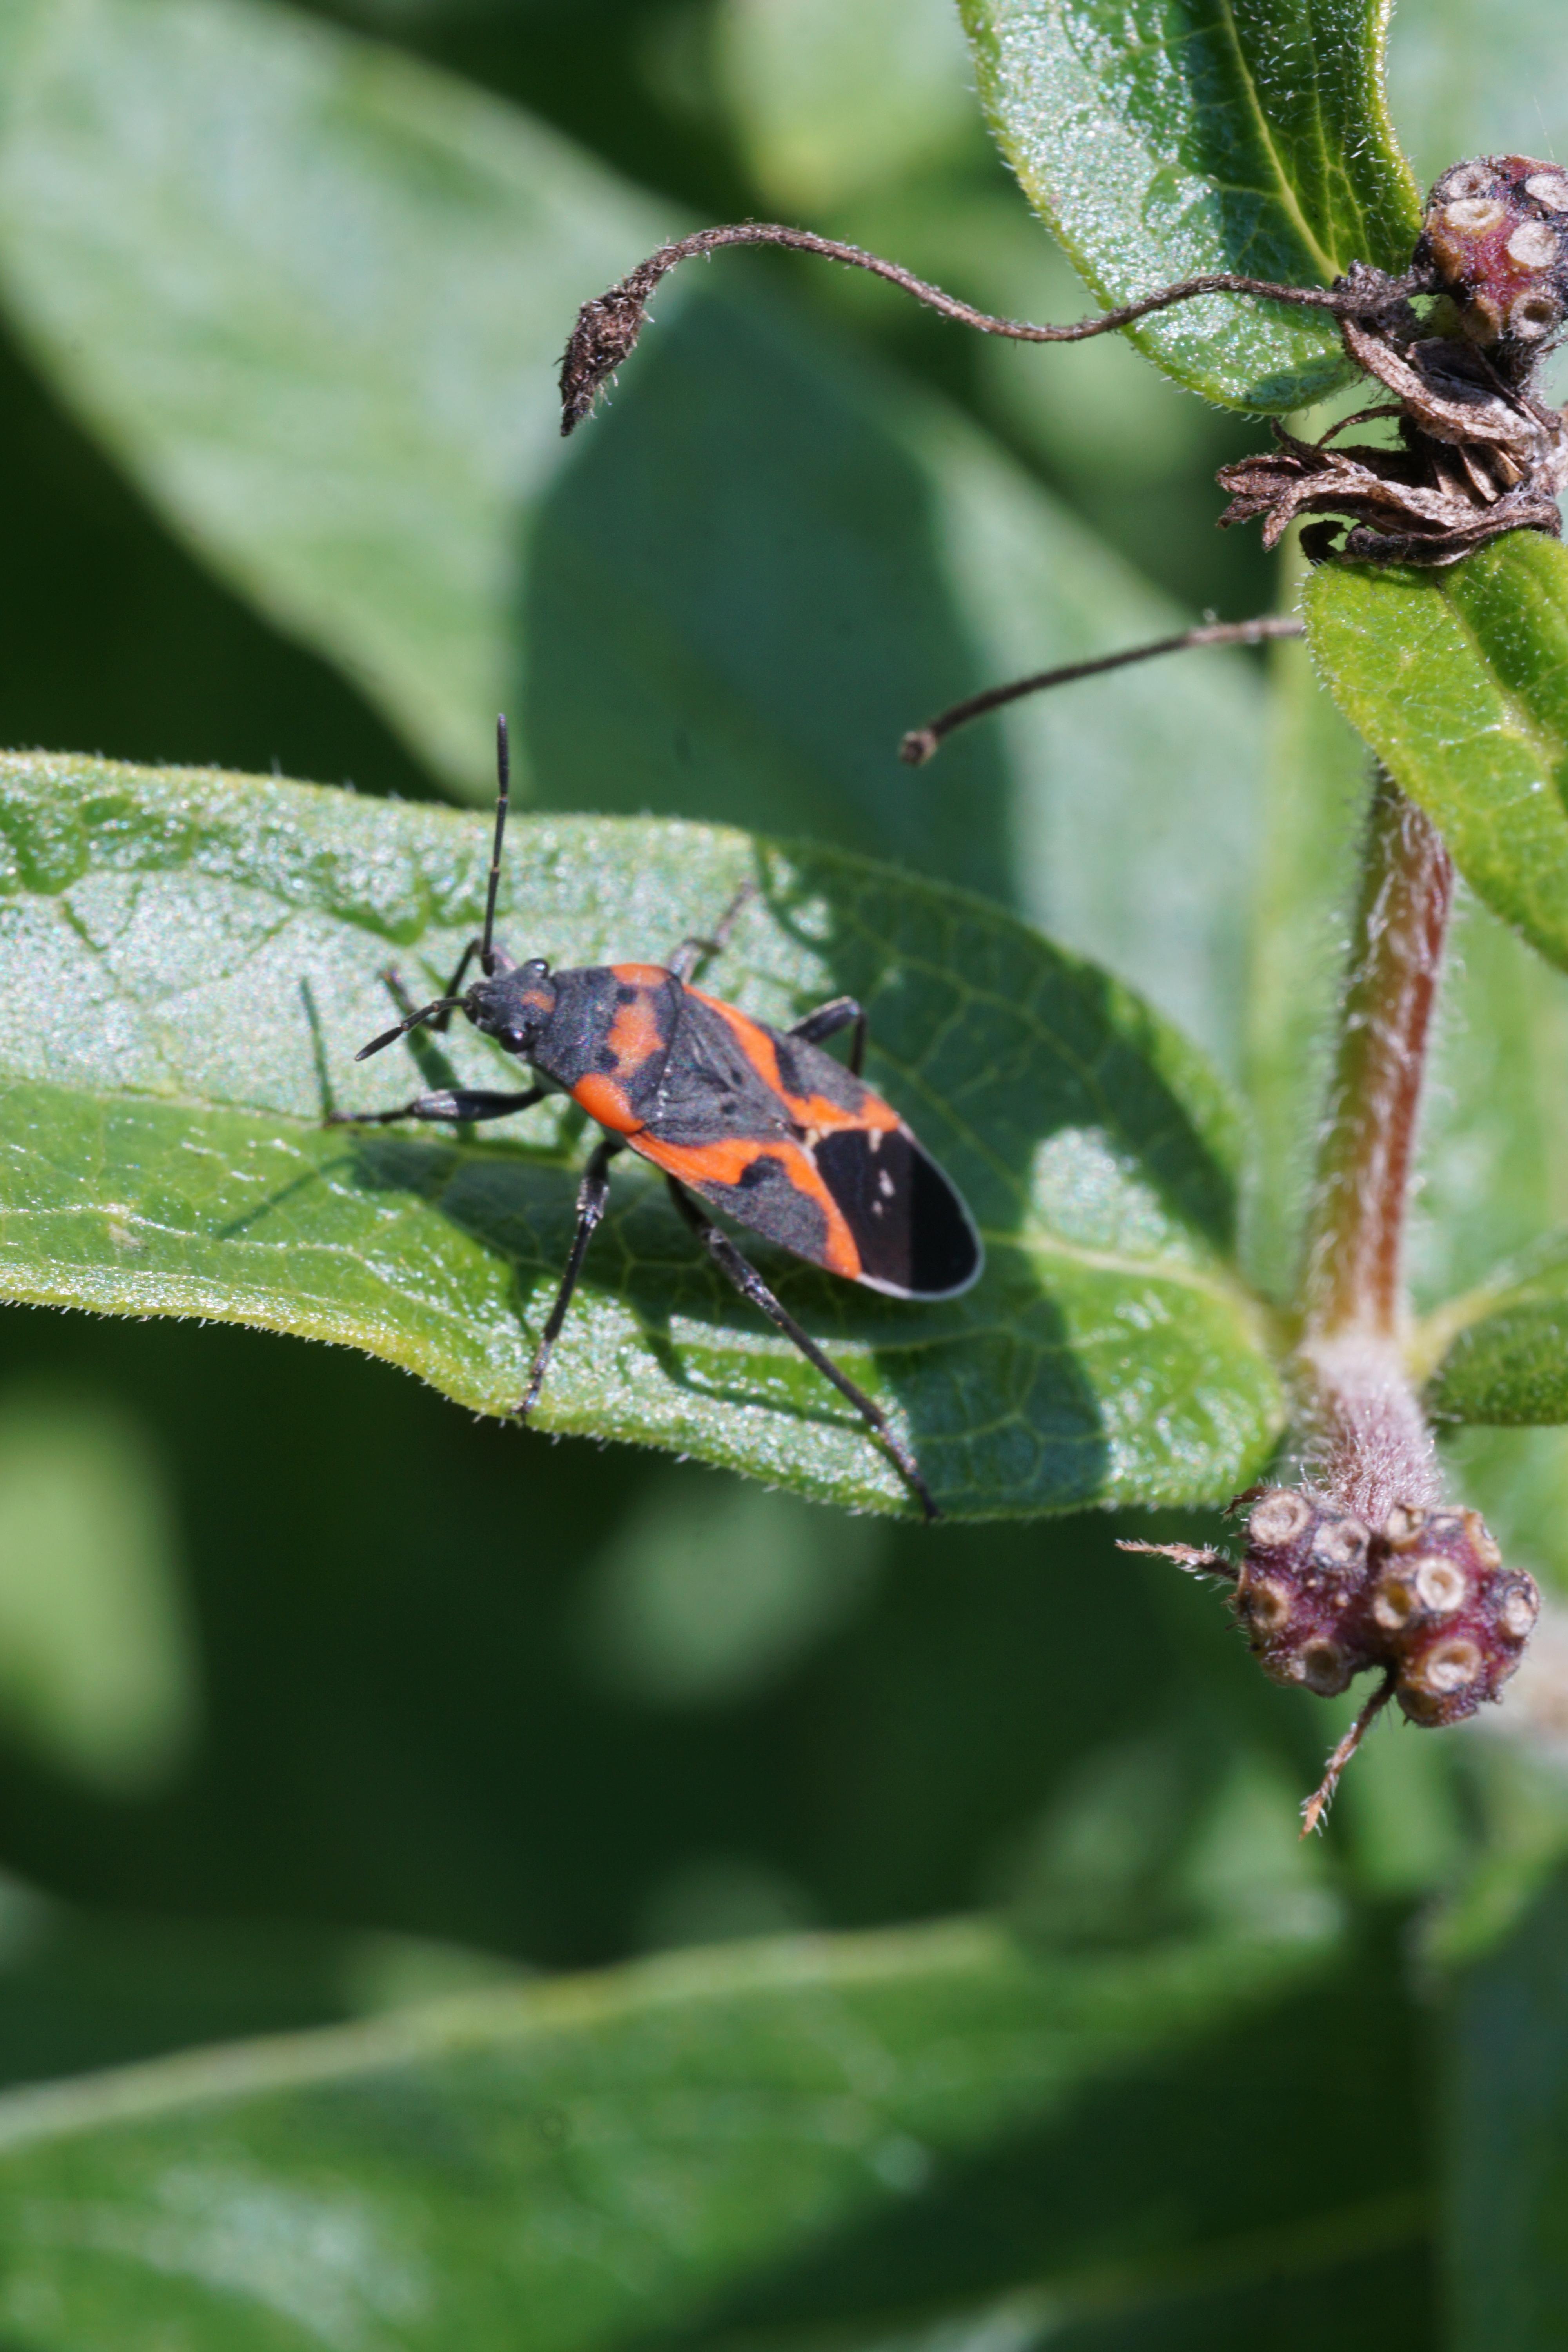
(1496, 235)
(1424, 1598)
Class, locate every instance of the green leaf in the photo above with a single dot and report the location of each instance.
(764, 565)
(911, 2131)
(1459, 679)
(312, 295)
(1177, 136)
(1507, 1362)
(190, 961)
(1506, 2234)
(726, 600)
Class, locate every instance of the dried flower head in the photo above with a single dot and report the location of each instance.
(1425, 1600)
(1477, 453)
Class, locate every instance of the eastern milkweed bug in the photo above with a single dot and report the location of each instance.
(759, 1122)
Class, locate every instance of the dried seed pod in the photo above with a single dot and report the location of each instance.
(1424, 1598)
(1496, 238)
(1295, 1595)
(1454, 1621)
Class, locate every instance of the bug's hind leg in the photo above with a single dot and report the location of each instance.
(691, 954)
(592, 1195)
(750, 1284)
(827, 1022)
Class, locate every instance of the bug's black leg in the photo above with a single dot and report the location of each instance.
(592, 1195)
(827, 1022)
(750, 1284)
(691, 952)
(459, 1106)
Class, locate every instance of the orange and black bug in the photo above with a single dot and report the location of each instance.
(759, 1122)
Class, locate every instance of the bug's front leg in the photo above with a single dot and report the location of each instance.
(455, 1105)
(592, 1194)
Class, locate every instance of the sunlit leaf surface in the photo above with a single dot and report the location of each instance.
(1179, 136)
(190, 961)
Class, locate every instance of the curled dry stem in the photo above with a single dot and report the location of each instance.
(923, 744)
(1198, 1560)
(1323, 1796)
(607, 328)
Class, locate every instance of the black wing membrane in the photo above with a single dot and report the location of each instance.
(916, 1237)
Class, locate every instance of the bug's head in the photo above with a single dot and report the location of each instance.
(514, 1006)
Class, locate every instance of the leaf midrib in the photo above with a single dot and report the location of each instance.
(1030, 1240)
(1290, 202)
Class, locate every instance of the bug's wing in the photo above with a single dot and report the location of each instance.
(772, 1187)
(910, 1225)
(782, 1137)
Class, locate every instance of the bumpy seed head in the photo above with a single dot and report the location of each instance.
(1266, 1603)
(1518, 1607)
(1402, 1528)
(1425, 1600)
(1277, 1519)
(1326, 1666)
(1340, 1543)
(1453, 1620)
(1305, 1563)
(1496, 235)
(1442, 1680)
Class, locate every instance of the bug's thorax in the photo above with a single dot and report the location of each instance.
(601, 1032)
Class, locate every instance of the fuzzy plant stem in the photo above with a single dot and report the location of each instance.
(1366, 1442)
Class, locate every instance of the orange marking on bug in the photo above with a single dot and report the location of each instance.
(635, 1033)
(725, 1162)
(807, 1111)
(603, 1099)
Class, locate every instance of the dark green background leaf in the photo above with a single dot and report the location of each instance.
(929, 2129)
(1459, 681)
(231, 235)
(221, 943)
(1507, 2246)
(1177, 136)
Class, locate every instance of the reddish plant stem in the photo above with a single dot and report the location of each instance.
(1367, 1442)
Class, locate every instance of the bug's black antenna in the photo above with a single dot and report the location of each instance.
(402, 1028)
(503, 795)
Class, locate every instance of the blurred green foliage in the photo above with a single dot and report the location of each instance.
(317, 1699)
